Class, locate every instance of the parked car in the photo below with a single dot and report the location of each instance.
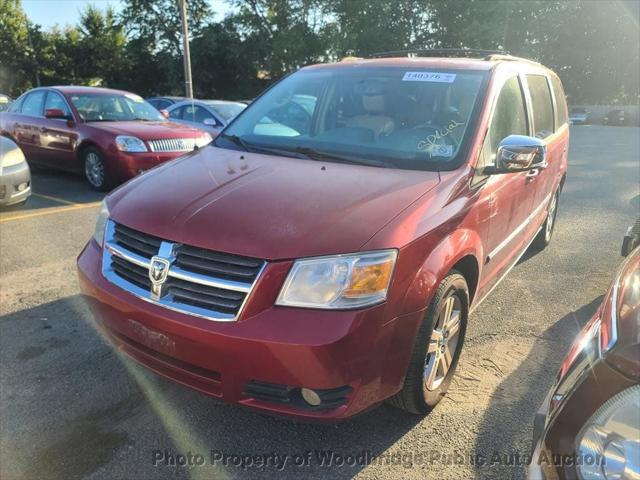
(15, 176)
(315, 266)
(109, 135)
(615, 117)
(5, 101)
(578, 116)
(162, 103)
(209, 115)
(590, 420)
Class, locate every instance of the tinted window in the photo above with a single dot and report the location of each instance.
(176, 113)
(55, 100)
(194, 113)
(561, 102)
(541, 104)
(32, 105)
(509, 118)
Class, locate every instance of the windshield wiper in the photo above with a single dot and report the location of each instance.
(318, 155)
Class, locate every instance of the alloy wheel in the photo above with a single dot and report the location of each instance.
(443, 344)
(94, 169)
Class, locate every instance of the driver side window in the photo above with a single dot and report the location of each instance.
(509, 118)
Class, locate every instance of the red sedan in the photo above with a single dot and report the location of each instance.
(109, 135)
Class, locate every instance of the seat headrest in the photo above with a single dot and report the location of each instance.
(373, 103)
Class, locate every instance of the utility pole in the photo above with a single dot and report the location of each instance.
(185, 49)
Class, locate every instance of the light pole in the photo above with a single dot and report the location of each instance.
(186, 55)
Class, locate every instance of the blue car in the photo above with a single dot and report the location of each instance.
(209, 115)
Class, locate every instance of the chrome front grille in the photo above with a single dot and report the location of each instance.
(172, 144)
(196, 281)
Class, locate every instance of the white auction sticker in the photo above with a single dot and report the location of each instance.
(429, 77)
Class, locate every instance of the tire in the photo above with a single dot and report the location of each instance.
(95, 170)
(543, 239)
(422, 391)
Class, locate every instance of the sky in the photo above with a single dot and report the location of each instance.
(62, 12)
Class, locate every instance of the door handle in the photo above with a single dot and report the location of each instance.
(533, 173)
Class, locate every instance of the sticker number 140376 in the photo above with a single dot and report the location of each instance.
(429, 77)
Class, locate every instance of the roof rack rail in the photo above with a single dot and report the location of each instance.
(441, 52)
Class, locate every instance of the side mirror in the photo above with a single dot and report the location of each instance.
(631, 239)
(209, 121)
(164, 113)
(519, 153)
(56, 113)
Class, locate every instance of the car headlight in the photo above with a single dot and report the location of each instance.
(203, 140)
(10, 158)
(101, 223)
(339, 282)
(609, 444)
(126, 143)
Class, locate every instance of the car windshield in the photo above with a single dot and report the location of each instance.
(114, 108)
(402, 118)
(227, 110)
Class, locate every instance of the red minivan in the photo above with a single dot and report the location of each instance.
(108, 135)
(324, 253)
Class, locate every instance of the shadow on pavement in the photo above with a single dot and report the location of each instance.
(519, 396)
(70, 407)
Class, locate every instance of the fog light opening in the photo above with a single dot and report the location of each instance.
(311, 397)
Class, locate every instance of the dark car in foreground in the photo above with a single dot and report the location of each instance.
(615, 117)
(589, 425)
(209, 115)
(15, 175)
(324, 253)
(109, 135)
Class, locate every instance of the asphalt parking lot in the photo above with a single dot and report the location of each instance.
(70, 407)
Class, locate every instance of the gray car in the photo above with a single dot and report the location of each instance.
(15, 176)
(209, 115)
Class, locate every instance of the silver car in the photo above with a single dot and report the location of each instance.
(15, 176)
(209, 115)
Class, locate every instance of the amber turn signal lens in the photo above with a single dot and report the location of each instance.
(369, 279)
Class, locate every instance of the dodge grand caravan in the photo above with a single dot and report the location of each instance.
(325, 252)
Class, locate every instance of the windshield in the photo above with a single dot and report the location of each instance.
(114, 108)
(392, 117)
(227, 110)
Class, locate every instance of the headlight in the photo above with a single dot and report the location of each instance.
(341, 281)
(126, 143)
(101, 223)
(609, 443)
(12, 157)
(203, 140)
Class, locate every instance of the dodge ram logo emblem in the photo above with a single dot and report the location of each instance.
(158, 271)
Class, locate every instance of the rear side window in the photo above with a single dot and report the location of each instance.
(561, 102)
(541, 104)
(32, 105)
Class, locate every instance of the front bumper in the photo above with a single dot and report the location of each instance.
(361, 354)
(127, 165)
(15, 184)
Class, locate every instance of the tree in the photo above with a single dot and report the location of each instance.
(17, 63)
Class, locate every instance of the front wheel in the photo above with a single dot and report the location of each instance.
(544, 235)
(437, 348)
(95, 171)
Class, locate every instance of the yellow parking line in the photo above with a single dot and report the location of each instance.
(50, 211)
(55, 199)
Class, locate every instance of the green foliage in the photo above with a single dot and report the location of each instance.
(593, 45)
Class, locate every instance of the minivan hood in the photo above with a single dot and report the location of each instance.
(148, 130)
(266, 206)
